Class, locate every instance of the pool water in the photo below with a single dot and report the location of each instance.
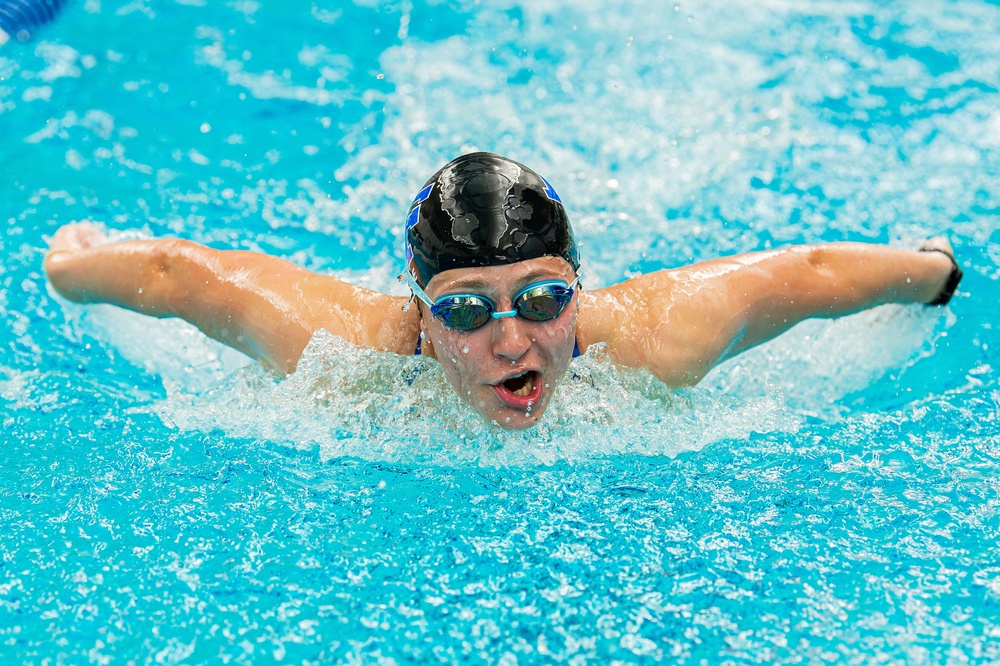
(831, 496)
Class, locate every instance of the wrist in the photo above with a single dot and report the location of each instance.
(951, 282)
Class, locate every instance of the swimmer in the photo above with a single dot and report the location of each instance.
(498, 290)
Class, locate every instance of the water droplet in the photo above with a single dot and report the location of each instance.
(908, 281)
(140, 290)
(677, 7)
(422, 336)
(508, 419)
(454, 360)
(547, 385)
(465, 349)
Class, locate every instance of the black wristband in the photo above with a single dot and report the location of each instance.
(948, 290)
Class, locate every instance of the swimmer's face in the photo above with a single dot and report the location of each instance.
(508, 369)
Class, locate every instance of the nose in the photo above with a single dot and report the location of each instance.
(509, 341)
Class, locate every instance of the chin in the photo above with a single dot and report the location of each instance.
(518, 421)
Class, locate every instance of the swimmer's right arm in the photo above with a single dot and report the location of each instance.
(261, 305)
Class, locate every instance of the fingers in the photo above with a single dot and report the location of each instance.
(939, 243)
(77, 236)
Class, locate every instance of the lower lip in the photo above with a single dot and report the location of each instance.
(516, 401)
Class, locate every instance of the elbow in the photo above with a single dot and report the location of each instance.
(818, 257)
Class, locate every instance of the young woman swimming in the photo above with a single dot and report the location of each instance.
(495, 273)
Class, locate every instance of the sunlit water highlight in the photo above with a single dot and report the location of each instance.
(828, 497)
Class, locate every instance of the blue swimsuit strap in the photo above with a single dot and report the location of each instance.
(576, 348)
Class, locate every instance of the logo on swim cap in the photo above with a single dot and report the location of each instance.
(414, 216)
(482, 209)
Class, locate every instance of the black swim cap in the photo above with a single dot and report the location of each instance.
(482, 209)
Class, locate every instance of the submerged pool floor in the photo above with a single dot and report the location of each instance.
(831, 496)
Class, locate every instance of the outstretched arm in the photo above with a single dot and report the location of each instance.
(681, 323)
(263, 306)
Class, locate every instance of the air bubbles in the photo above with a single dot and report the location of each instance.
(465, 349)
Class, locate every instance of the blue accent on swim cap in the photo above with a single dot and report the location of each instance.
(550, 191)
(414, 216)
(423, 194)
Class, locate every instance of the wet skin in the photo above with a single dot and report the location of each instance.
(478, 363)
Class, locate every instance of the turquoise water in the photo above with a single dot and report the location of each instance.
(829, 497)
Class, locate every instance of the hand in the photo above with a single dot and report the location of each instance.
(77, 236)
(941, 244)
(938, 244)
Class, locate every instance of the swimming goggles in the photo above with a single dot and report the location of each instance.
(541, 301)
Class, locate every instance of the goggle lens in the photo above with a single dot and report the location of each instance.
(463, 315)
(544, 306)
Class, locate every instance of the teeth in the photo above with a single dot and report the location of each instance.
(525, 390)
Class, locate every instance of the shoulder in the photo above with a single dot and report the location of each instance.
(660, 322)
(360, 315)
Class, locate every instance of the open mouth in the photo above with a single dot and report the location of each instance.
(522, 390)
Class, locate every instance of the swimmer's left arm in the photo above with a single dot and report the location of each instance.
(700, 315)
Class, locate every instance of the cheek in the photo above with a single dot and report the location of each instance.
(559, 337)
(456, 353)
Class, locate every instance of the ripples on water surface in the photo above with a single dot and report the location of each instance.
(829, 497)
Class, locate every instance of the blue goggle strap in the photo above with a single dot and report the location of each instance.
(416, 289)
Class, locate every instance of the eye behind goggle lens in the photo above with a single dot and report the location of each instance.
(544, 306)
(463, 316)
